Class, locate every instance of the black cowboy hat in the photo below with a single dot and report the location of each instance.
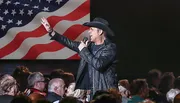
(101, 24)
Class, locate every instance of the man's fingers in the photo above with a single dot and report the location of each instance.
(41, 22)
(42, 19)
(87, 42)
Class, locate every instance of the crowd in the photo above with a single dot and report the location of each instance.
(24, 86)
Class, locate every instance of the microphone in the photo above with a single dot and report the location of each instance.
(85, 39)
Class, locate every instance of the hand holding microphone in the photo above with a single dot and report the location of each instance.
(84, 43)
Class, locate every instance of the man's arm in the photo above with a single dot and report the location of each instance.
(58, 37)
(73, 45)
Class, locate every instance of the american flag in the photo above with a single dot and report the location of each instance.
(22, 36)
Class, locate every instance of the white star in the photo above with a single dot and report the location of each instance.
(36, 7)
(19, 22)
(49, 1)
(21, 11)
(1, 1)
(10, 21)
(46, 9)
(6, 12)
(59, 1)
(8, 2)
(26, 4)
(13, 12)
(3, 27)
(1, 18)
(16, 3)
(30, 12)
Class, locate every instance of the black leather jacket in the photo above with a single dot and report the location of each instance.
(102, 64)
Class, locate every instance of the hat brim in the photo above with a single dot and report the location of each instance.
(100, 26)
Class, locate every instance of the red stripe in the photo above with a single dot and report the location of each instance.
(20, 37)
(74, 57)
(72, 33)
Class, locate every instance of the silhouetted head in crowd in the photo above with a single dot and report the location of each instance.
(42, 101)
(57, 86)
(153, 78)
(8, 85)
(70, 100)
(167, 82)
(68, 78)
(139, 87)
(105, 98)
(57, 73)
(177, 83)
(36, 80)
(115, 92)
(99, 92)
(21, 99)
(21, 74)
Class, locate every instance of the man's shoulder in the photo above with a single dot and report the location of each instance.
(111, 46)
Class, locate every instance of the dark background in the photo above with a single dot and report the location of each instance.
(147, 37)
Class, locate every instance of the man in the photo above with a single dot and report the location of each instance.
(56, 90)
(98, 56)
(36, 83)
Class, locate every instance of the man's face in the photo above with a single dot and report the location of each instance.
(94, 34)
(61, 89)
(43, 84)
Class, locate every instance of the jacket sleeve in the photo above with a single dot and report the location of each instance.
(73, 45)
(101, 63)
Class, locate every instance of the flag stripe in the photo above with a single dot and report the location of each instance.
(75, 56)
(63, 54)
(53, 46)
(29, 42)
(12, 46)
(58, 54)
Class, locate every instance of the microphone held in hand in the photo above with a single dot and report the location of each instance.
(85, 39)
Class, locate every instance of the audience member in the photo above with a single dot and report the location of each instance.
(174, 91)
(56, 90)
(21, 74)
(36, 86)
(139, 90)
(8, 88)
(153, 80)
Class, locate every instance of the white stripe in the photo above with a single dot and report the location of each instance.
(29, 42)
(60, 54)
(70, 6)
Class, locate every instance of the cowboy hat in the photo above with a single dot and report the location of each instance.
(101, 24)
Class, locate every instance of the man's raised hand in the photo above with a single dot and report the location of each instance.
(46, 24)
